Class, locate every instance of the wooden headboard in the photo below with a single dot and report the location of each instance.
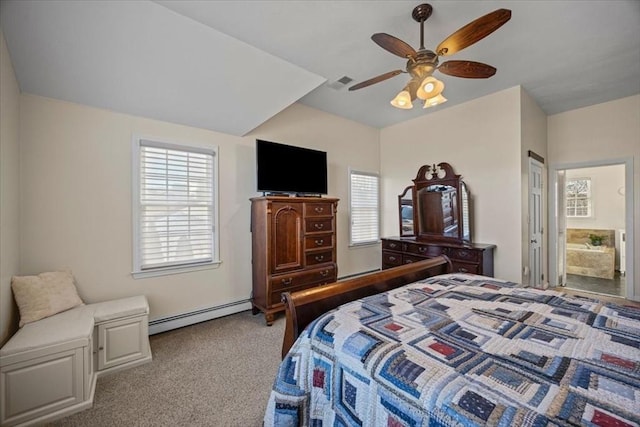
(303, 307)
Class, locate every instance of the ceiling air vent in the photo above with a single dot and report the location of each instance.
(340, 83)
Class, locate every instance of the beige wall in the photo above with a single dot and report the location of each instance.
(76, 204)
(607, 203)
(9, 190)
(533, 137)
(481, 140)
(75, 181)
(607, 200)
(606, 131)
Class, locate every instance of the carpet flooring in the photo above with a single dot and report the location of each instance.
(215, 373)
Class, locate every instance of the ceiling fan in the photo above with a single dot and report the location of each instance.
(422, 63)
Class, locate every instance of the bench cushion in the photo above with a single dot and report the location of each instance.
(71, 325)
(119, 308)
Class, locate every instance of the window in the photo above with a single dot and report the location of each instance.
(174, 207)
(365, 207)
(579, 198)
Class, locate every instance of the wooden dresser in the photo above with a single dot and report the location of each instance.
(293, 248)
(475, 258)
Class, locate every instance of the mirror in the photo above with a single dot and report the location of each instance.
(437, 206)
(465, 208)
(440, 202)
(405, 212)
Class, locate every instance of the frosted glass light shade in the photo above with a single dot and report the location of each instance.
(431, 102)
(430, 87)
(402, 100)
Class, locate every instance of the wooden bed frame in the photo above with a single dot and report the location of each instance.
(303, 307)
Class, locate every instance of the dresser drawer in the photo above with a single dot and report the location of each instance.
(318, 225)
(392, 245)
(293, 280)
(423, 250)
(328, 277)
(462, 254)
(318, 209)
(465, 267)
(391, 258)
(408, 259)
(318, 241)
(314, 258)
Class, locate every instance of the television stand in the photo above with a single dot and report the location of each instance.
(293, 248)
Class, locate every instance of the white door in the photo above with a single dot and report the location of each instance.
(561, 224)
(535, 223)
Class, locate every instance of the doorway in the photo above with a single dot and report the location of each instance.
(592, 213)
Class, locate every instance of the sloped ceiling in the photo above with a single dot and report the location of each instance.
(141, 58)
(231, 65)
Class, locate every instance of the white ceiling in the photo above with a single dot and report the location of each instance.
(231, 65)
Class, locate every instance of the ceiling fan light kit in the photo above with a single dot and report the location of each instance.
(429, 88)
(402, 100)
(432, 102)
(422, 63)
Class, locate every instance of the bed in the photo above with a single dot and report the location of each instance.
(411, 346)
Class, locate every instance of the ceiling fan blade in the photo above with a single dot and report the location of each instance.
(376, 79)
(473, 32)
(393, 45)
(467, 69)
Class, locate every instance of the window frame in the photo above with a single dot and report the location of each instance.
(375, 241)
(589, 199)
(137, 142)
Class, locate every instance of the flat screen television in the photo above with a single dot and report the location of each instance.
(285, 168)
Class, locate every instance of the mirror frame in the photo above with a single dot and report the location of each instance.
(403, 200)
(441, 174)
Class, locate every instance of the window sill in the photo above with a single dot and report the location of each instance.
(364, 244)
(166, 271)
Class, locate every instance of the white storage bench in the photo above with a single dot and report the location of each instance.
(48, 369)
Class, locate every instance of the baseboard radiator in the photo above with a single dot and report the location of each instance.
(165, 324)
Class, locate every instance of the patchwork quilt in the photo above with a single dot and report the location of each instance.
(463, 350)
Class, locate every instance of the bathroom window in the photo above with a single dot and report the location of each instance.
(579, 198)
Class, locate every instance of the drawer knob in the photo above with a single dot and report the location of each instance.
(287, 281)
(409, 261)
(392, 245)
(324, 273)
(318, 226)
(100, 348)
(319, 242)
(318, 209)
(462, 270)
(392, 258)
(319, 257)
(422, 249)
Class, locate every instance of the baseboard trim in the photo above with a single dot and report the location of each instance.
(165, 324)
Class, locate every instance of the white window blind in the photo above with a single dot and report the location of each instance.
(365, 207)
(578, 196)
(175, 206)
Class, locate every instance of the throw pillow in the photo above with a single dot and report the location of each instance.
(44, 295)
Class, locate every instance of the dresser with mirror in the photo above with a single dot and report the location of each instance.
(435, 219)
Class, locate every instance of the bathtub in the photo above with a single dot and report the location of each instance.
(594, 261)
